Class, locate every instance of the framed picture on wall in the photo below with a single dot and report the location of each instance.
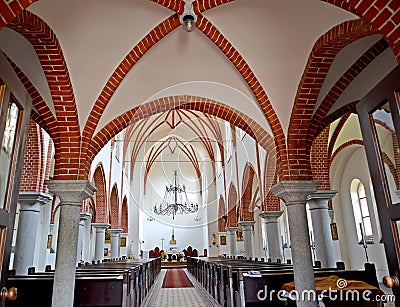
(239, 234)
(123, 242)
(222, 240)
(107, 237)
(106, 252)
(334, 232)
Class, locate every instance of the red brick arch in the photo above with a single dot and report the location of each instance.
(124, 215)
(33, 168)
(114, 207)
(101, 195)
(246, 211)
(195, 103)
(345, 145)
(50, 54)
(137, 52)
(382, 14)
(221, 214)
(11, 9)
(232, 206)
(319, 62)
(255, 86)
(270, 202)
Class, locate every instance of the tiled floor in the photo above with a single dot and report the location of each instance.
(177, 297)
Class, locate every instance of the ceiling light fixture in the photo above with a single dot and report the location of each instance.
(175, 201)
(188, 18)
(188, 23)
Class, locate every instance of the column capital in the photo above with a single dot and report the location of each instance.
(232, 229)
(270, 216)
(295, 191)
(246, 223)
(33, 199)
(100, 226)
(84, 216)
(115, 230)
(71, 191)
(319, 199)
(322, 194)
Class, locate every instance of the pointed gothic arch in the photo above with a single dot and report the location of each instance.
(101, 195)
(114, 207)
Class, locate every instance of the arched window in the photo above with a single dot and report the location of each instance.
(362, 217)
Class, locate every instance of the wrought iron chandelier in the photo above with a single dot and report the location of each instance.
(175, 201)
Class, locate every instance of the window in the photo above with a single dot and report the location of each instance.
(362, 217)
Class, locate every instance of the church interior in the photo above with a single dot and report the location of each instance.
(198, 140)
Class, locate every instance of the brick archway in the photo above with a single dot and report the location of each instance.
(232, 206)
(101, 195)
(33, 170)
(246, 211)
(195, 103)
(222, 218)
(114, 207)
(124, 215)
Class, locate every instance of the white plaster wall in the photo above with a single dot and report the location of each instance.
(353, 253)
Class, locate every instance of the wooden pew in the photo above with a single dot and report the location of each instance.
(227, 280)
(122, 283)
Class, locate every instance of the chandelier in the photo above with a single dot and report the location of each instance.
(175, 201)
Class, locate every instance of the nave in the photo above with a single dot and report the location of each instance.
(278, 121)
(194, 295)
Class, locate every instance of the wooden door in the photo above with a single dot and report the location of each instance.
(379, 116)
(14, 121)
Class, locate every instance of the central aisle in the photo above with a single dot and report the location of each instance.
(186, 295)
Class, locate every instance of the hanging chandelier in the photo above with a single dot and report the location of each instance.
(175, 201)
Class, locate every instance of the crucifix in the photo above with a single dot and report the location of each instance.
(162, 243)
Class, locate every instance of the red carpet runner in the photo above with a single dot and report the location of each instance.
(176, 278)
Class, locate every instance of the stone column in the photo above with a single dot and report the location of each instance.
(295, 193)
(84, 216)
(100, 238)
(71, 194)
(271, 223)
(232, 246)
(321, 221)
(247, 227)
(29, 215)
(115, 242)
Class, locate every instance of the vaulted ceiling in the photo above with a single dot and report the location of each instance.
(278, 62)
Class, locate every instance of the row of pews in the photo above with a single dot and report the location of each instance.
(242, 282)
(119, 283)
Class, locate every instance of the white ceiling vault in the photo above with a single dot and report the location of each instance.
(275, 39)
